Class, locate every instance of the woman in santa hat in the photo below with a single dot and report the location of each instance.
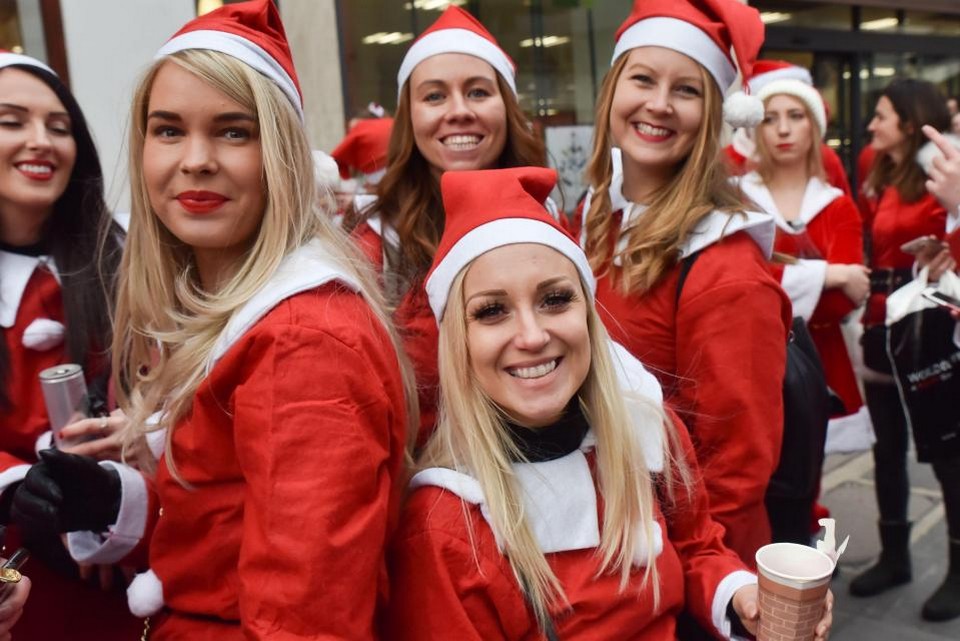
(902, 210)
(59, 253)
(457, 110)
(548, 501)
(682, 266)
(246, 338)
(819, 230)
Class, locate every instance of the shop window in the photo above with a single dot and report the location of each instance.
(804, 14)
(11, 37)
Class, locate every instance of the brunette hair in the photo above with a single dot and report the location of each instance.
(700, 186)
(408, 195)
(916, 103)
(85, 243)
(766, 167)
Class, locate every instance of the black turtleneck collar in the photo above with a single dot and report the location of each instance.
(552, 441)
(36, 249)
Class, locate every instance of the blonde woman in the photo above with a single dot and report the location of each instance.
(682, 267)
(247, 327)
(547, 502)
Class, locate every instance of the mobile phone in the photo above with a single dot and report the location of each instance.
(932, 294)
(918, 245)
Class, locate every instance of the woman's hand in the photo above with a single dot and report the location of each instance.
(747, 606)
(938, 260)
(13, 596)
(852, 280)
(97, 437)
(944, 178)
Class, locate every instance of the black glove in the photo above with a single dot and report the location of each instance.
(66, 493)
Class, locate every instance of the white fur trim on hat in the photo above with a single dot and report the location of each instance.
(930, 151)
(145, 594)
(243, 50)
(499, 233)
(793, 72)
(683, 37)
(456, 41)
(9, 59)
(800, 90)
(742, 110)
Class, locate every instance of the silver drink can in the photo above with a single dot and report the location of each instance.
(65, 395)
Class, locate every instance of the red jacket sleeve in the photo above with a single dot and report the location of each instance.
(845, 246)
(320, 460)
(732, 326)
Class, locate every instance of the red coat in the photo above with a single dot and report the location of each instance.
(831, 234)
(83, 611)
(720, 354)
(451, 581)
(293, 452)
(418, 331)
(894, 222)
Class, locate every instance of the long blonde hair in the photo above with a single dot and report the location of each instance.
(471, 437)
(700, 186)
(166, 324)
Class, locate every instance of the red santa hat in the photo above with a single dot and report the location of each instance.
(706, 31)
(492, 208)
(775, 77)
(250, 32)
(9, 58)
(364, 148)
(456, 31)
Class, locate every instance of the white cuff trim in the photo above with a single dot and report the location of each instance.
(12, 475)
(803, 283)
(44, 442)
(724, 594)
(850, 433)
(953, 220)
(125, 534)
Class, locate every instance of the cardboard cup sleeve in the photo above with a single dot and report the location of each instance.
(793, 581)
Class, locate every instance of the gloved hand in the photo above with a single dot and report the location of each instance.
(66, 493)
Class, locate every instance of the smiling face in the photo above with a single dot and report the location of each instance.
(37, 149)
(888, 137)
(202, 165)
(656, 113)
(457, 112)
(786, 130)
(527, 331)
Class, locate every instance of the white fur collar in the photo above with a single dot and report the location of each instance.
(714, 227)
(306, 268)
(15, 273)
(816, 197)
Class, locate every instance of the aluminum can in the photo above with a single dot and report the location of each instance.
(64, 394)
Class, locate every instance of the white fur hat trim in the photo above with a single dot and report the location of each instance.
(803, 92)
(145, 594)
(43, 334)
(930, 151)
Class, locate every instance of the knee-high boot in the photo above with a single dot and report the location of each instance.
(893, 566)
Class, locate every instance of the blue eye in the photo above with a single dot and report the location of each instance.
(488, 312)
(558, 300)
(689, 90)
(235, 133)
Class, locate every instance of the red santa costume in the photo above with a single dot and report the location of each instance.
(742, 146)
(455, 31)
(827, 230)
(448, 552)
(290, 486)
(32, 319)
(720, 348)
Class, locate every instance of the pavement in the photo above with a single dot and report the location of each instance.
(847, 489)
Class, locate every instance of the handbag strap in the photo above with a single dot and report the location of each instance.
(685, 266)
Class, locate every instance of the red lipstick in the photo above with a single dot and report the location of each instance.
(39, 170)
(201, 202)
(785, 145)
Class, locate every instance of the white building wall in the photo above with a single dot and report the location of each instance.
(109, 43)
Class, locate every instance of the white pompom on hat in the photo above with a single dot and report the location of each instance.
(706, 31)
(251, 32)
(493, 208)
(456, 31)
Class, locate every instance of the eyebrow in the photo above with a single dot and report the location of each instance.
(547, 284)
(229, 116)
(648, 68)
(438, 81)
(22, 109)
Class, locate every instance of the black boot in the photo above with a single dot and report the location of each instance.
(945, 602)
(893, 567)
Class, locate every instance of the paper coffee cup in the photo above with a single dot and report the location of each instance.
(794, 580)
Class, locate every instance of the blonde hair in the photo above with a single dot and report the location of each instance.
(471, 437)
(766, 167)
(699, 187)
(166, 324)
